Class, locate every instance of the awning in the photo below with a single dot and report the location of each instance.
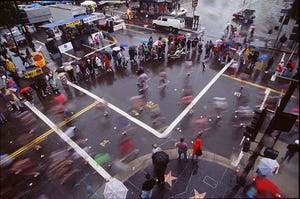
(62, 22)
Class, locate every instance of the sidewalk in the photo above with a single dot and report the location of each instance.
(213, 175)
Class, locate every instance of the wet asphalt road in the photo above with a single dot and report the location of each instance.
(220, 137)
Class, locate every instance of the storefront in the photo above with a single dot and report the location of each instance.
(158, 7)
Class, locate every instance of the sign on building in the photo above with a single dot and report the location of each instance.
(65, 47)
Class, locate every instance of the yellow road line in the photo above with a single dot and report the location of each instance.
(44, 135)
(255, 85)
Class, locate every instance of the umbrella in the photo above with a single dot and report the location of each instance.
(61, 74)
(180, 37)
(102, 158)
(115, 189)
(116, 48)
(144, 41)
(261, 58)
(157, 43)
(233, 49)
(219, 41)
(27, 88)
(268, 167)
(170, 35)
(68, 67)
(61, 98)
(194, 35)
(266, 188)
(132, 47)
(123, 45)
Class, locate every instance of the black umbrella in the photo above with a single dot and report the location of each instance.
(132, 47)
(160, 158)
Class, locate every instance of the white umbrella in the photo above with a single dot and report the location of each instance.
(115, 189)
(116, 48)
(89, 3)
(268, 167)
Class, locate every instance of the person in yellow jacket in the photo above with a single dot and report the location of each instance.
(10, 66)
(260, 65)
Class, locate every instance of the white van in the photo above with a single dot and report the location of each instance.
(172, 23)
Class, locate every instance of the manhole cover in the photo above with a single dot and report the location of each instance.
(210, 181)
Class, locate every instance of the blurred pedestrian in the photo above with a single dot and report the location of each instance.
(203, 66)
(163, 78)
(292, 149)
(147, 187)
(269, 64)
(197, 148)
(220, 104)
(182, 148)
(160, 160)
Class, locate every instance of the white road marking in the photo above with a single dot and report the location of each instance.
(196, 99)
(267, 92)
(118, 110)
(68, 54)
(89, 47)
(70, 142)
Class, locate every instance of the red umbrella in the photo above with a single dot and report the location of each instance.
(266, 188)
(27, 88)
(60, 98)
(180, 37)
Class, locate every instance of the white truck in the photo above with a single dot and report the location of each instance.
(173, 24)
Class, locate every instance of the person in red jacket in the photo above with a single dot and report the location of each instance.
(197, 145)
(107, 63)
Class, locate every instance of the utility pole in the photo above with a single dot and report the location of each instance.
(284, 101)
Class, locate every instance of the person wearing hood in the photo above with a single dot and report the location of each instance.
(197, 144)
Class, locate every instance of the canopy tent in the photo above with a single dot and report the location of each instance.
(62, 22)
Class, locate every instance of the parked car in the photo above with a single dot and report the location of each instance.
(116, 20)
(173, 24)
(180, 12)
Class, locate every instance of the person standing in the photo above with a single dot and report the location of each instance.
(269, 64)
(182, 148)
(160, 160)
(147, 187)
(197, 145)
(291, 150)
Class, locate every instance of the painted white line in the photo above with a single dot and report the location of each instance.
(89, 47)
(99, 49)
(118, 110)
(236, 162)
(77, 58)
(70, 142)
(267, 92)
(196, 99)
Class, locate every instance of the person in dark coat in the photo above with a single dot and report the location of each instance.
(269, 64)
(160, 160)
(291, 150)
(147, 187)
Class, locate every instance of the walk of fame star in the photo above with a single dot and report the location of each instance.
(198, 195)
(169, 178)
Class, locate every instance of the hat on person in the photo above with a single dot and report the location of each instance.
(296, 141)
(154, 146)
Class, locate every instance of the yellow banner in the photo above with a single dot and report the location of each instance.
(33, 73)
(73, 23)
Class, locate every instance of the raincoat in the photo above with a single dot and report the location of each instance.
(196, 145)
